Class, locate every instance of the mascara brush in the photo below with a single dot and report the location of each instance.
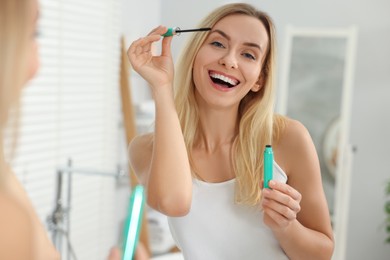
(178, 31)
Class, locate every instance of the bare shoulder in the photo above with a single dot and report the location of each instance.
(16, 229)
(295, 133)
(140, 154)
(295, 144)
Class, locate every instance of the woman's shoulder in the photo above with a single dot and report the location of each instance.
(293, 132)
(11, 208)
(294, 142)
(16, 229)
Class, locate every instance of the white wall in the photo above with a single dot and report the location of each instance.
(370, 112)
(139, 17)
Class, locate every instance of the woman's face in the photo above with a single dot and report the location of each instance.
(229, 62)
(33, 44)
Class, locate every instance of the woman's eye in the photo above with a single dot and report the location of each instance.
(217, 44)
(249, 56)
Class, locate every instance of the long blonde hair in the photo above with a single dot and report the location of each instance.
(256, 117)
(14, 36)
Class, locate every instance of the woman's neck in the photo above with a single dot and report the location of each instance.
(217, 127)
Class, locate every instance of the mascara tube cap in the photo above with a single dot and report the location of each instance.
(171, 31)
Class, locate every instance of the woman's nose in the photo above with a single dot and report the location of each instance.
(229, 60)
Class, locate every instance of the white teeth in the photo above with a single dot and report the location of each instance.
(224, 78)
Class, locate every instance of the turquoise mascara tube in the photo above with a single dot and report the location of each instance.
(133, 222)
(268, 165)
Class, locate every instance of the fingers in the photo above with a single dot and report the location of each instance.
(283, 210)
(141, 253)
(166, 42)
(166, 46)
(115, 254)
(281, 202)
(160, 30)
(140, 51)
(286, 189)
(157, 70)
(274, 218)
(143, 45)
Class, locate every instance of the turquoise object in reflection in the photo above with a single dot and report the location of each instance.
(133, 222)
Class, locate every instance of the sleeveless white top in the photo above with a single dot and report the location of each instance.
(218, 229)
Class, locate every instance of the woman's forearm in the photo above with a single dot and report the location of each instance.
(169, 182)
(299, 242)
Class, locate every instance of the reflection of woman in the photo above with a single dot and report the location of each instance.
(22, 235)
(203, 167)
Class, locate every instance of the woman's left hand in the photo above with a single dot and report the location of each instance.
(281, 205)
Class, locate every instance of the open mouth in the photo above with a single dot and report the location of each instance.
(223, 81)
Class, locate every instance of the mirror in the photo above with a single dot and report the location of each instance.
(316, 89)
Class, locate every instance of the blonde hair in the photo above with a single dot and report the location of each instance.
(257, 124)
(15, 17)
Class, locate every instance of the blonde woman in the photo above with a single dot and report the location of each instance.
(22, 234)
(203, 165)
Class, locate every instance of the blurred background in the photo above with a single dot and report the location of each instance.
(334, 76)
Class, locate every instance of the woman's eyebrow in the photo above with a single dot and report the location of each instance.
(249, 44)
(221, 33)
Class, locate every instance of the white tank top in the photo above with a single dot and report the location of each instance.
(218, 229)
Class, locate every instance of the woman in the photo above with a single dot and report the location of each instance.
(22, 234)
(203, 167)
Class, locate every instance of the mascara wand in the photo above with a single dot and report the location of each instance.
(177, 31)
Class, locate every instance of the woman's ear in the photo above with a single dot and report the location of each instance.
(256, 87)
(259, 84)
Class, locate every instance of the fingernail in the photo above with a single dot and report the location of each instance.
(272, 183)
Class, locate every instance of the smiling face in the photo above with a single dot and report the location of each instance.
(229, 62)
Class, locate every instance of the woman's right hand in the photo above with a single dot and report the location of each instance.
(156, 70)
